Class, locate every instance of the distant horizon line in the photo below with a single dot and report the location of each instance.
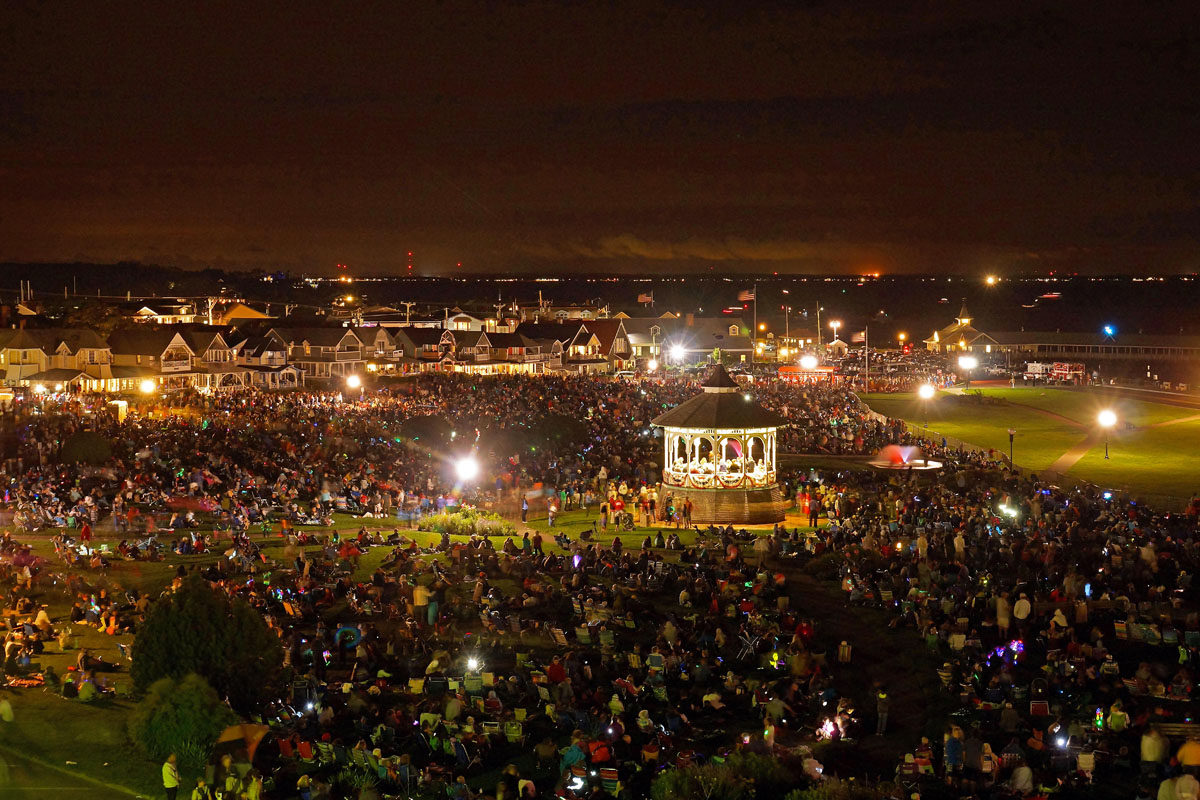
(614, 276)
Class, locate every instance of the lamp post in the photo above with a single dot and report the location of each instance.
(1011, 433)
(926, 393)
(835, 324)
(966, 364)
(1107, 418)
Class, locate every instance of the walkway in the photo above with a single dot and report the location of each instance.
(1072, 456)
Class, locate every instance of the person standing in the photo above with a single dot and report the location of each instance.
(525, 508)
(170, 776)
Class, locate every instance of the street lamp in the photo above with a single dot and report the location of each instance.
(902, 336)
(466, 469)
(147, 386)
(1011, 433)
(926, 393)
(678, 352)
(835, 324)
(653, 365)
(966, 364)
(1107, 418)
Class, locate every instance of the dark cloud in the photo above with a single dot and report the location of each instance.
(553, 136)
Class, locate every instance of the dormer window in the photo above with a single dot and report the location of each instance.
(733, 330)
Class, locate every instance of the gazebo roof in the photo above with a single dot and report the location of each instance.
(721, 405)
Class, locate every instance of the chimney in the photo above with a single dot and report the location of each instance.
(691, 320)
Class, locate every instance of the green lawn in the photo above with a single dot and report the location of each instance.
(1154, 462)
(1040, 439)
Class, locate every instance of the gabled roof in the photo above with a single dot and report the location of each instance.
(564, 332)
(419, 337)
(270, 342)
(370, 334)
(50, 339)
(606, 330)
(145, 341)
(315, 335)
(202, 339)
(470, 339)
(510, 340)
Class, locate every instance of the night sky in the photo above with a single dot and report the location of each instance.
(961, 137)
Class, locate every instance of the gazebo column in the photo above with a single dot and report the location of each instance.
(743, 447)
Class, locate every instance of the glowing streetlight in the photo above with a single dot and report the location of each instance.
(678, 352)
(466, 469)
(472, 664)
(39, 388)
(147, 386)
(353, 382)
(808, 362)
(1107, 418)
(653, 365)
(991, 280)
(902, 336)
(966, 364)
(762, 326)
(783, 352)
(926, 393)
(835, 324)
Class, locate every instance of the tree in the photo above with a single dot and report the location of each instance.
(199, 629)
(184, 717)
(101, 317)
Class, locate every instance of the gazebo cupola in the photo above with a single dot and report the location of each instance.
(719, 450)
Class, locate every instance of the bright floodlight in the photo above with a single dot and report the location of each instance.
(991, 280)
(926, 391)
(39, 388)
(466, 468)
(678, 352)
(147, 386)
(653, 365)
(808, 362)
(354, 381)
(472, 663)
(968, 362)
(1107, 418)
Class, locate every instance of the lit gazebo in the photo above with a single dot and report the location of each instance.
(719, 451)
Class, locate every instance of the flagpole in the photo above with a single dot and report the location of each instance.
(754, 339)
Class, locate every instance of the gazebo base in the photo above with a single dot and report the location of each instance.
(759, 506)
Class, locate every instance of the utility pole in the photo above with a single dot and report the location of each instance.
(408, 304)
(866, 359)
(818, 326)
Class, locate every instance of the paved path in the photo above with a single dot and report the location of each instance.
(25, 780)
(1072, 456)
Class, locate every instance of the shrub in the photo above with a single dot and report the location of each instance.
(467, 522)
(184, 717)
(708, 782)
(201, 630)
(843, 790)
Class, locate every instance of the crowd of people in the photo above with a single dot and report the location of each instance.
(582, 666)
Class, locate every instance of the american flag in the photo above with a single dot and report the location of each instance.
(745, 296)
(646, 298)
(860, 336)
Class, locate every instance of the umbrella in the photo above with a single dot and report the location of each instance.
(236, 737)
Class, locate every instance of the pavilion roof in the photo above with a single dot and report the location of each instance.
(722, 404)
